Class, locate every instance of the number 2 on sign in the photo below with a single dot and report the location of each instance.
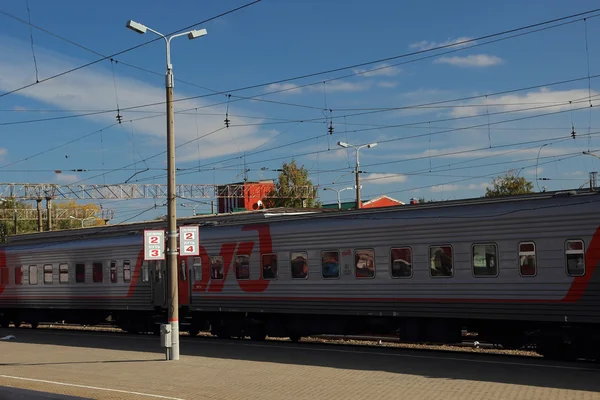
(154, 239)
(189, 236)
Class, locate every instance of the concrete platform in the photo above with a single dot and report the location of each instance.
(121, 366)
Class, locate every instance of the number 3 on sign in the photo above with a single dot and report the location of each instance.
(154, 253)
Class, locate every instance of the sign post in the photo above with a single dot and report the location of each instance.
(189, 238)
(154, 245)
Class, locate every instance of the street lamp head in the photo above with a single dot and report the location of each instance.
(136, 26)
(343, 144)
(371, 145)
(196, 34)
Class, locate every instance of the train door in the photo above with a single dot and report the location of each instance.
(184, 282)
(159, 283)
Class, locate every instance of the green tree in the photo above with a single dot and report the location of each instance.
(8, 208)
(86, 213)
(509, 184)
(292, 189)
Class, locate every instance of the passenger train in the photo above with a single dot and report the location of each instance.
(518, 271)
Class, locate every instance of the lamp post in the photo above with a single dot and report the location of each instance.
(357, 148)
(81, 219)
(193, 207)
(592, 174)
(173, 300)
(338, 195)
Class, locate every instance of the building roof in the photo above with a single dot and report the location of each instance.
(376, 199)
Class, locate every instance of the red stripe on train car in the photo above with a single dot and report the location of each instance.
(136, 273)
(592, 258)
(2, 266)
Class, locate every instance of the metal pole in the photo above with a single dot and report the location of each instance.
(49, 211)
(173, 295)
(357, 182)
(39, 213)
(339, 200)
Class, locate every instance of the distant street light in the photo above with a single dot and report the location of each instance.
(338, 194)
(173, 293)
(357, 148)
(81, 219)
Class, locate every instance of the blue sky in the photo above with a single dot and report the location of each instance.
(275, 40)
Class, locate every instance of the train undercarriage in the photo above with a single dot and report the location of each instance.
(551, 340)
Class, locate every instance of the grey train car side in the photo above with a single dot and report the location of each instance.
(518, 271)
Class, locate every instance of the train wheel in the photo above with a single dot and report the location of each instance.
(34, 325)
(193, 331)
(295, 338)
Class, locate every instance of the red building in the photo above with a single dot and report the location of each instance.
(381, 201)
(242, 196)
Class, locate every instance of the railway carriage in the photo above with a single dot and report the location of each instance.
(517, 270)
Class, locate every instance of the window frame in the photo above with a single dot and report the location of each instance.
(339, 274)
(210, 258)
(126, 263)
(262, 266)
(77, 266)
(145, 272)
(411, 262)
(527, 253)
(429, 261)
(5, 275)
(94, 267)
(44, 269)
(61, 273)
(235, 266)
(496, 256)
(113, 266)
(291, 266)
(19, 275)
(197, 268)
(582, 252)
(374, 263)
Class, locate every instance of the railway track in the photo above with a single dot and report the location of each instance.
(468, 345)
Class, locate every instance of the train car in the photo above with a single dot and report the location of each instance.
(516, 270)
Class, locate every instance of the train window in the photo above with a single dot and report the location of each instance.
(145, 272)
(126, 271)
(401, 259)
(97, 272)
(113, 272)
(33, 275)
(4, 276)
(197, 268)
(330, 264)
(441, 261)
(242, 266)
(485, 260)
(18, 275)
(183, 270)
(299, 265)
(216, 267)
(269, 266)
(48, 273)
(527, 259)
(158, 272)
(364, 263)
(575, 254)
(63, 273)
(80, 273)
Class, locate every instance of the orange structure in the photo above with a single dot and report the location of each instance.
(242, 196)
(381, 201)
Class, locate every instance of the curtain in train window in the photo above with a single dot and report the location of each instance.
(4, 278)
(33, 275)
(126, 271)
(575, 254)
(401, 262)
(299, 264)
(48, 273)
(113, 272)
(441, 261)
(197, 269)
(97, 272)
(364, 263)
(485, 260)
(216, 267)
(330, 264)
(80, 273)
(18, 275)
(242, 266)
(269, 266)
(63, 273)
(527, 259)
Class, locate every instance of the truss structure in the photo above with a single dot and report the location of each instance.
(37, 191)
(8, 214)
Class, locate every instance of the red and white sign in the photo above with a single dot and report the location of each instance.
(154, 245)
(189, 237)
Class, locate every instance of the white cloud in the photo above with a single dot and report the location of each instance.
(381, 70)
(3, 153)
(475, 60)
(426, 45)
(384, 179)
(334, 86)
(574, 173)
(482, 185)
(92, 88)
(387, 84)
(445, 188)
(67, 178)
(530, 100)
(470, 152)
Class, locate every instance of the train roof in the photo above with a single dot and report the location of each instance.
(280, 214)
